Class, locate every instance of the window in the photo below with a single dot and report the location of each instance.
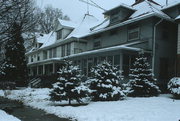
(50, 53)
(59, 34)
(44, 54)
(54, 53)
(69, 49)
(97, 44)
(38, 57)
(117, 60)
(63, 50)
(31, 58)
(133, 34)
(114, 16)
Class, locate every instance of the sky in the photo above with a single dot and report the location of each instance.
(76, 9)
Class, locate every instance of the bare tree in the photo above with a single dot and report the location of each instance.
(19, 11)
(48, 18)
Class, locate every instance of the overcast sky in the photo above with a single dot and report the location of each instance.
(76, 9)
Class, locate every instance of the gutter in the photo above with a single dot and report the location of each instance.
(154, 44)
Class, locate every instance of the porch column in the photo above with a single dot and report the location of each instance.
(54, 68)
(37, 70)
(121, 61)
(43, 69)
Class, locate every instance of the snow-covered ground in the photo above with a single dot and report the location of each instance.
(161, 108)
(6, 117)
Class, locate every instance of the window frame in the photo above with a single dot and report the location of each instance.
(59, 34)
(133, 30)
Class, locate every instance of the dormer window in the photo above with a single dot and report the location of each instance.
(59, 34)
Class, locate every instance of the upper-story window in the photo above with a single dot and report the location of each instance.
(114, 16)
(59, 34)
(54, 52)
(63, 50)
(44, 54)
(50, 53)
(133, 33)
(31, 58)
(97, 44)
(69, 49)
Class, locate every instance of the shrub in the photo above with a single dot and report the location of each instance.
(69, 86)
(105, 83)
(142, 82)
(174, 87)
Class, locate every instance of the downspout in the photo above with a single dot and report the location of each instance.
(154, 45)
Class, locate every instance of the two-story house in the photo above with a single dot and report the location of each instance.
(127, 30)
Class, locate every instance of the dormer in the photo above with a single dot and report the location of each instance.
(64, 28)
(172, 10)
(119, 13)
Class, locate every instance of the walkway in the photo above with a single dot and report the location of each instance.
(25, 113)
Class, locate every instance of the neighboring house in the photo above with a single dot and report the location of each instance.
(127, 30)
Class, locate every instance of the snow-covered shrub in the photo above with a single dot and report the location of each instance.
(105, 83)
(174, 87)
(142, 82)
(69, 86)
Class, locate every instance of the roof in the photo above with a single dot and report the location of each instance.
(83, 29)
(147, 7)
(175, 3)
(49, 39)
(144, 10)
(67, 23)
(178, 17)
(121, 5)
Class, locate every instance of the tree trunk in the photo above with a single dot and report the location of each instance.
(69, 101)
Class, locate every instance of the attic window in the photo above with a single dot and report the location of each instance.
(59, 34)
(133, 34)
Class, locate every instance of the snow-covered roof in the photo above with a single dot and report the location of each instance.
(143, 10)
(49, 39)
(102, 25)
(121, 5)
(172, 4)
(67, 23)
(178, 17)
(147, 7)
(83, 29)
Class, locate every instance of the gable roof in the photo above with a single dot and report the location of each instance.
(139, 1)
(147, 7)
(67, 23)
(173, 4)
(120, 6)
(87, 22)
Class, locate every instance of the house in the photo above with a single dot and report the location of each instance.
(126, 30)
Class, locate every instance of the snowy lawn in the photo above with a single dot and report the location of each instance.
(161, 108)
(6, 117)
